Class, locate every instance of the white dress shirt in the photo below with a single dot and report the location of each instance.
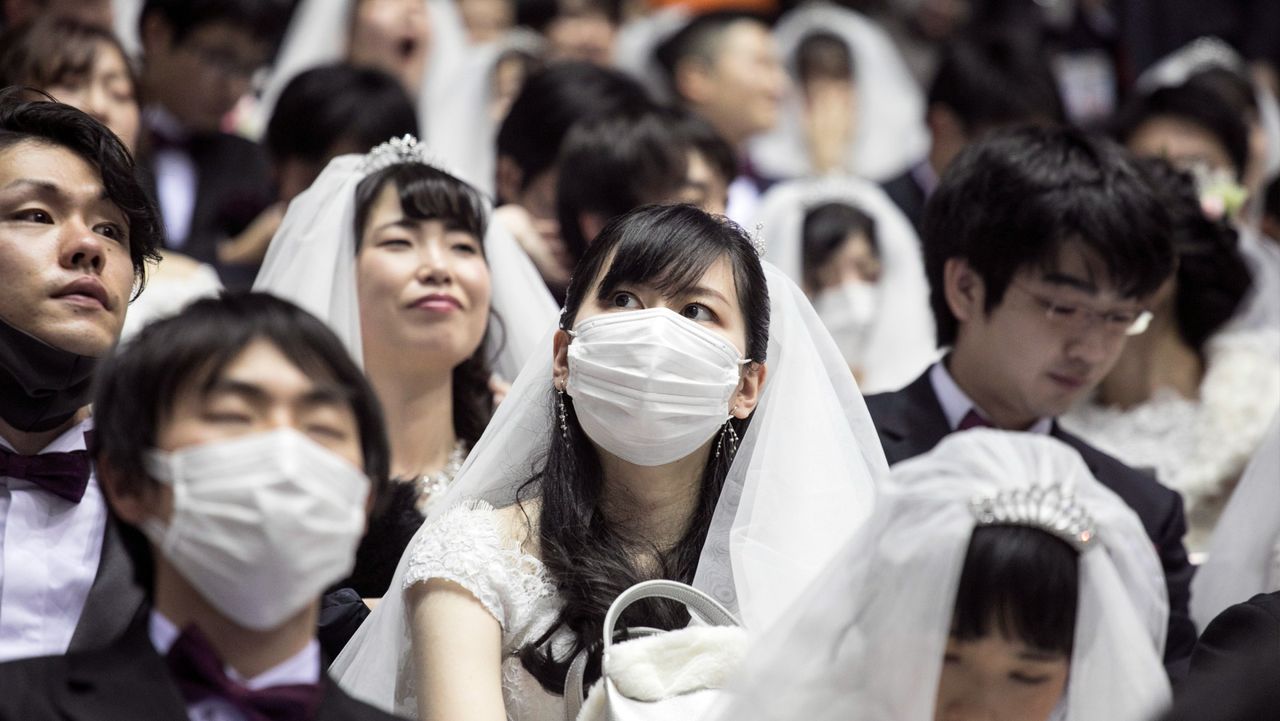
(176, 179)
(49, 552)
(956, 404)
(300, 668)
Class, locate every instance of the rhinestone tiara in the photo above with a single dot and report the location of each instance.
(757, 241)
(405, 149)
(1048, 508)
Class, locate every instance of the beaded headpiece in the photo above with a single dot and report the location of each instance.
(395, 151)
(1048, 508)
(757, 241)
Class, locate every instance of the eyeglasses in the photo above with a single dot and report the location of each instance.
(1078, 317)
(226, 63)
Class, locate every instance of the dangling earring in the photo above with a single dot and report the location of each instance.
(564, 417)
(728, 437)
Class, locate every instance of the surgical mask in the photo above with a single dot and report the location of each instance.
(261, 524)
(848, 311)
(650, 386)
(41, 386)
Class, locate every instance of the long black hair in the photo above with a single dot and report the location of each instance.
(668, 248)
(427, 193)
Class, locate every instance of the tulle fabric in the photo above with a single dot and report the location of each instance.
(803, 479)
(901, 342)
(866, 641)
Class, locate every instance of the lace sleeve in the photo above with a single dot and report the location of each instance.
(467, 546)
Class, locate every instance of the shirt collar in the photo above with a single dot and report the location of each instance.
(925, 176)
(956, 404)
(301, 668)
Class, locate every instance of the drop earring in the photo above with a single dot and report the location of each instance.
(564, 417)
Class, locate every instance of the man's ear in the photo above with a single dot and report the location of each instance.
(508, 178)
(591, 225)
(693, 80)
(128, 503)
(156, 33)
(963, 289)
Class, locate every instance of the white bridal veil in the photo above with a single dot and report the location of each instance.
(803, 479)
(1244, 551)
(866, 641)
(901, 342)
(890, 108)
(312, 262)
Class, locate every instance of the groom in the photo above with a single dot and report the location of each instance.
(241, 448)
(1042, 247)
(75, 231)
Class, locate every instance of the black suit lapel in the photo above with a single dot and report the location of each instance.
(128, 681)
(916, 423)
(114, 598)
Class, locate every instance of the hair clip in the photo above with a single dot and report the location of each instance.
(757, 241)
(405, 149)
(1048, 508)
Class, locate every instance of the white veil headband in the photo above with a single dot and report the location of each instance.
(803, 480)
(319, 32)
(312, 262)
(635, 48)
(891, 133)
(1244, 552)
(866, 641)
(902, 341)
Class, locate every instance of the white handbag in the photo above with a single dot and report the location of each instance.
(660, 675)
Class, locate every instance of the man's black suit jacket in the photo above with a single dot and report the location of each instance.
(1235, 669)
(911, 422)
(126, 681)
(907, 194)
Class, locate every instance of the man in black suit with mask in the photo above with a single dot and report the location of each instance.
(241, 449)
(76, 230)
(1042, 247)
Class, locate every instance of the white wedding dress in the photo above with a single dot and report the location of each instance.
(470, 546)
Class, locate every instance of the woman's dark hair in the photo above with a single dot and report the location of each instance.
(53, 50)
(551, 101)
(428, 193)
(326, 105)
(53, 123)
(1213, 277)
(1022, 583)
(823, 54)
(668, 248)
(826, 228)
(1013, 199)
(135, 387)
(1193, 104)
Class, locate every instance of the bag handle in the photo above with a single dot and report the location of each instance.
(698, 603)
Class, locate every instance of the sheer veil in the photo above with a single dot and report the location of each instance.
(866, 641)
(1244, 551)
(901, 343)
(804, 478)
(312, 262)
(890, 108)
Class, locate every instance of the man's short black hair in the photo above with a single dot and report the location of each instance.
(1013, 199)
(996, 78)
(325, 105)
(702, 136)
(264, 20)
(53, 123)
(551, 101)
(615, 164)
(136, 387)
(1193, 104)
(699, 39)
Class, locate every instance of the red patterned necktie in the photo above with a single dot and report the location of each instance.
(973, 420)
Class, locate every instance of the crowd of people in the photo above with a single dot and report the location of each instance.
(896, 360)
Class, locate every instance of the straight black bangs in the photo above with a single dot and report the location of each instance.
(1020, 582)
(670, 262)
(426, 193)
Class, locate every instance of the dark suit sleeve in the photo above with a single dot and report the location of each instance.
(28, 688)
(1235, 669)
(1177, 576)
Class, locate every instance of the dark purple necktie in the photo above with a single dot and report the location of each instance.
(199, 674)
(64, 474)
(973, 420)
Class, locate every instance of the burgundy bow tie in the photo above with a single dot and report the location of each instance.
(65, 474)
(973, 420)
(199, 674)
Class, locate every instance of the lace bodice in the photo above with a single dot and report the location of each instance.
(470, 546)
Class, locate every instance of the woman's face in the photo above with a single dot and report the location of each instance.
(998, 679)
(106, 93)
(424, 288)
(394, 36)
(854, 261)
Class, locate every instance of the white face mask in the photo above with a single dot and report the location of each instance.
(261, 524)
(650, 386)
(848, 311)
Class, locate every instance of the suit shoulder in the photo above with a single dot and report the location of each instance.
(881, 405)
(339, 705)
(1117, 474)
(27, 687)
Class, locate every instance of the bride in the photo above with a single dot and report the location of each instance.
(617, 459)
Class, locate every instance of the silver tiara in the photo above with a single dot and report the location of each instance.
(395, 151)
(1048, 508)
